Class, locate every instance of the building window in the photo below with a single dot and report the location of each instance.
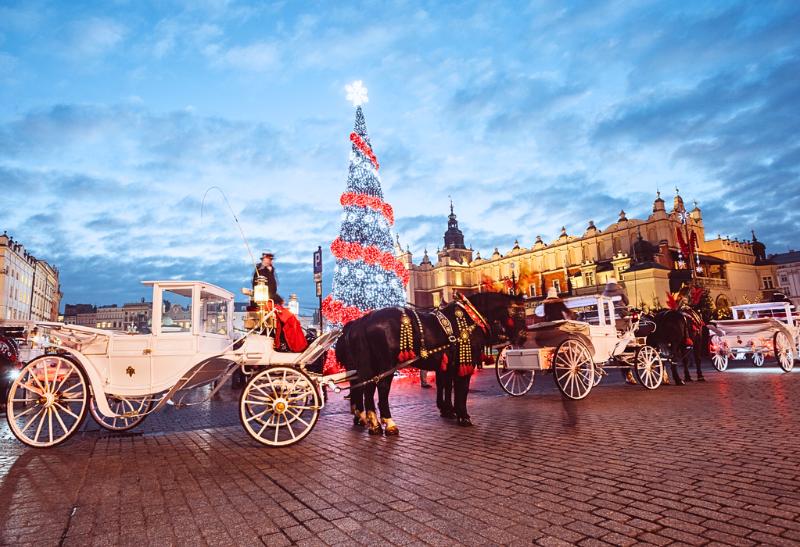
(589, 277)
(557, 285)
(532, 290)
(784, 279)
(767, 282)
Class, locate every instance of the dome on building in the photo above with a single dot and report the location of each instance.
(658, 204)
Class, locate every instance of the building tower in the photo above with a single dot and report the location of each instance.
(454, 247)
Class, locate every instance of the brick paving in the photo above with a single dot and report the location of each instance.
(705, 463)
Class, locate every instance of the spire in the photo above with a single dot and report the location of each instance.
(677, 204)
(453, 237)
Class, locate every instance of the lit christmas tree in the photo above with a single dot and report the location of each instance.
(367, 275)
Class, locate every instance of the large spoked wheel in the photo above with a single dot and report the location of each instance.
(648, 367)
(279, 406)
(132, 412)
(573, 369)
(514, 382)
(758, 358)
(784, 353)
(720, 356)
(47, 402)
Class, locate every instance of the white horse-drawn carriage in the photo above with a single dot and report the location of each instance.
(121, 378)
(757, 330)
(578, 352)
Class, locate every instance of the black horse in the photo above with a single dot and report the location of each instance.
(371, 346)
(679, 334)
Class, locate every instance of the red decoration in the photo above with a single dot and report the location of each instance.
(370, 255)
(336, 312)
(364, 147)
(373, 202)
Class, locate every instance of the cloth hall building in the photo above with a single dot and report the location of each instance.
(643, 254)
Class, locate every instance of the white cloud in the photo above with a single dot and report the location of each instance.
(95, 37)
(256, 57)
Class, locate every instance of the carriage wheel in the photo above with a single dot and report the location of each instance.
(758, 358)
(720, 356)
(648, 367)
(279, 406)
(47, 402)
(784, 353)
(133, 411)
(514, 382)
(573, 369)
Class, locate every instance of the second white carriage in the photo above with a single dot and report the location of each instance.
(579, 352)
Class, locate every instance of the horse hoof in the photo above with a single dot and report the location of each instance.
(465, 422)
(679, 382)
(689, 378)
(701, 379)
(375, 430)
(357, 421)
(391, 431)
(447, 414)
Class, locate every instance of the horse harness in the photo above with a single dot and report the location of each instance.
(460, 338)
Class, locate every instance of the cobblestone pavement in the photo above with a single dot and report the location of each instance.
(705, 463)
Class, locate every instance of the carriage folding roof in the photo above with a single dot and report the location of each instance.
(184, 288)
(762, 306)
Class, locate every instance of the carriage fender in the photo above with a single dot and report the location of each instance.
(95, 381)
(585, 340)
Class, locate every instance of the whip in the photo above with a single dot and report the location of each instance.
(235, 219)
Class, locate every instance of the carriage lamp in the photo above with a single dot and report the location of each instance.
(261, 292)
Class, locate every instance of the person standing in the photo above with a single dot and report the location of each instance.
(266, 270)
(423, 378)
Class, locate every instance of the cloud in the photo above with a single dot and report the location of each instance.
(737, 129)
(255, 57)
(95, 36)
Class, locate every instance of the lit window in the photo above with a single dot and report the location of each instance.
(767, 282)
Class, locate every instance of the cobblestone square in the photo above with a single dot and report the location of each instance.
(710, 463)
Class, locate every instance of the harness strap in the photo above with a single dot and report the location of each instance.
(473, 313)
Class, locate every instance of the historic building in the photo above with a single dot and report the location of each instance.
(788, 272)
(648, 256)
(29, 287)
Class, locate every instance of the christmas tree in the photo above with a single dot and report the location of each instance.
(367, 275)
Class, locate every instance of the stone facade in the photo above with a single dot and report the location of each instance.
(788, 275)
(29, 287)
(643, 254)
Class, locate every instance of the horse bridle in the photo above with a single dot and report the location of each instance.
(473, 313)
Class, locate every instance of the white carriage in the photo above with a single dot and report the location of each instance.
(758, 331)
(120, 377)
(578, 352)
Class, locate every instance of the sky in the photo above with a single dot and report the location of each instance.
(117, 117)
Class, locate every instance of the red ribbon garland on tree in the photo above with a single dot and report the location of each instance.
(364, 147)
(336, 312)
(373, 202)
(371, 255)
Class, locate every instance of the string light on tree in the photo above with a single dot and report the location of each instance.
(367, 275)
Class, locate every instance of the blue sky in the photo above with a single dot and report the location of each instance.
(115, 117)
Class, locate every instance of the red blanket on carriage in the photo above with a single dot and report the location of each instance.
(289, 326)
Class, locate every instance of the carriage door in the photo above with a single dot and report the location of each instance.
(604, 335)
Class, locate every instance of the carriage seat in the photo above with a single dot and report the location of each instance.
(552, 333)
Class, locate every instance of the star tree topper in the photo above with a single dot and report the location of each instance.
(356, 93)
